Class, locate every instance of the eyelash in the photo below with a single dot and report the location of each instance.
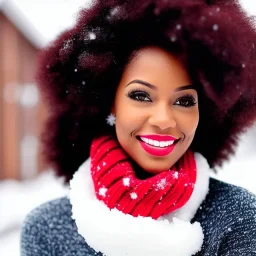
(189, 99)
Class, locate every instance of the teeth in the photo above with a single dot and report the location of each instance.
(162, 144)
(156, 143)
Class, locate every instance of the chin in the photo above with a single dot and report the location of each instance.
(158, 169)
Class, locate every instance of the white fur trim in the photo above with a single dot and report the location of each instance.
(117, 234)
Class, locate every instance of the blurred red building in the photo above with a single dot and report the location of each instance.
(21, 111)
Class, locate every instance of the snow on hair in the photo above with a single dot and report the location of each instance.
(78, 73)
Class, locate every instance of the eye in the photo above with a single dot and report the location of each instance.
(186, 101)
(139, 95)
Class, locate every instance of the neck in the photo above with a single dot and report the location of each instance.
(140, 173)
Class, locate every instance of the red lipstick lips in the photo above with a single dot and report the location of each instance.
(157, 145)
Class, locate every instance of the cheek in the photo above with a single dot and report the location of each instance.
(126, 121)
(188, 122)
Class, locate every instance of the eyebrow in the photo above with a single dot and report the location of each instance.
(153, 87)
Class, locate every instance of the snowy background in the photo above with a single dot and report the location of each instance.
(18, 198)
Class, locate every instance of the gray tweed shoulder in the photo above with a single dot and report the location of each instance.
(227, 216)
(50, 230)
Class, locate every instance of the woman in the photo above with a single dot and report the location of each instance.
(145, 97)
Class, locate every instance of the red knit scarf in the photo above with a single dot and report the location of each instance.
(116, 185)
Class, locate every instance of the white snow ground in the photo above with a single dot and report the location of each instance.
(18, 198)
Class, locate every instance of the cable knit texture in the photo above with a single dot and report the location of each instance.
(116, 184)
(227, 217)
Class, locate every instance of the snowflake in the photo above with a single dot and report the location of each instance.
(134, 195)
(102, 191)
(98, 168)
(215, 27)
(67, 44)
(176, 175)
(111, 119)
(243, 65)
(75, 70)
(161, 184)
(115, 11)
(126, 182)
(104, 164)
(173, 38)
(92, 36)
(178, 26)
(229, 229)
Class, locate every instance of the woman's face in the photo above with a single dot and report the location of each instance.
(156, 110)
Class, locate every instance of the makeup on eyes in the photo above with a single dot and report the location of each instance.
(138, 92)
(187, 100)
(153, 87)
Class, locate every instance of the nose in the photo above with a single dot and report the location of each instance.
(162, 117)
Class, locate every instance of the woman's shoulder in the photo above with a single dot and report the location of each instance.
(228, 219)
(49, 229)
(225, 193)
(49, 213)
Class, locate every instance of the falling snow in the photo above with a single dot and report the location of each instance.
(126, 182)
(102, 191)
(178, 26)
(111, 119)
(92, 36)
(134, 195)
(215, 27)
(176, 175)
(67, 45)
(161, 184)
(173, 38)
(114, 11)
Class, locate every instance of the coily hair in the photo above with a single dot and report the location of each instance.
(79, 72)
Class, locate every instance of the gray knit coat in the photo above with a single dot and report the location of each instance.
(227, 216)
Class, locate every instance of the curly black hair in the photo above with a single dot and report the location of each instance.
(79, 72)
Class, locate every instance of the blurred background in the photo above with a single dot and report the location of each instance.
(25, 179)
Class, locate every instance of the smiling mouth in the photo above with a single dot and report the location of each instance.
(157, 148)
(157, 144)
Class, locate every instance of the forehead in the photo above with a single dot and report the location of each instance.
(157, 66)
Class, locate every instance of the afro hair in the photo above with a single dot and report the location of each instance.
(79, 72)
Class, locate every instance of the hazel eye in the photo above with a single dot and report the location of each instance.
(139, 96)
(186, 101)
